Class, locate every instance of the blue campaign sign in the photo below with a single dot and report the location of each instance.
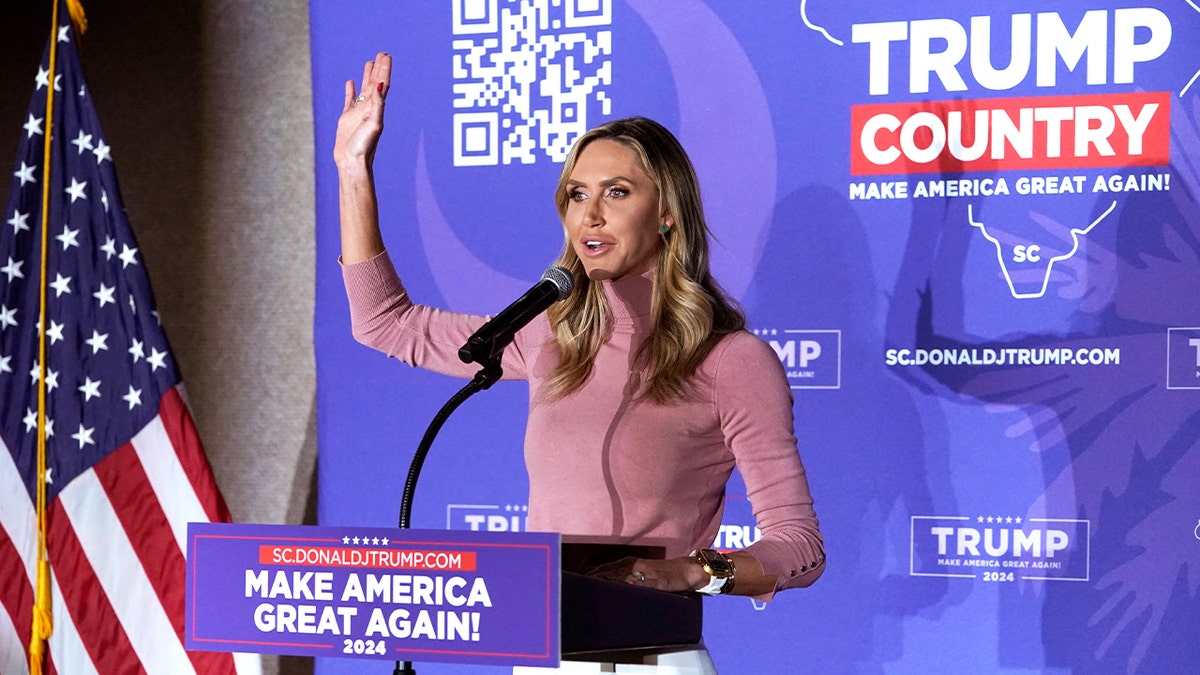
(419, 595)
(969, 231)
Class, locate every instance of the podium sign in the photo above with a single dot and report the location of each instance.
(412, 595)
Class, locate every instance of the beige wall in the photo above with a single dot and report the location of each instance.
(208, 109)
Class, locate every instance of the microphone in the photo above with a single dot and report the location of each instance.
(492, 337)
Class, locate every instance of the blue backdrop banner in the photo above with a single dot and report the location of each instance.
(969, 230)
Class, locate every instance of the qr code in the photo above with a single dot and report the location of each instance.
(525, 74)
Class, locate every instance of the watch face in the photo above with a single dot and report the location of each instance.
(717, 563)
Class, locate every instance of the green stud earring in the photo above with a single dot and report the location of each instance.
(664, 228)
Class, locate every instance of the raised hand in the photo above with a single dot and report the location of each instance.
(361, 122)
(358, 131)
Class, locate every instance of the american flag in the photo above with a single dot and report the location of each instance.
(125, 468)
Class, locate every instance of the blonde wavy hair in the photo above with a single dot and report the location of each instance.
(690, 311)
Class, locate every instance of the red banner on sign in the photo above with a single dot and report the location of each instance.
(404, 559)
(1042, 132)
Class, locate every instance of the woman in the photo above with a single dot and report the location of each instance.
(645, 388)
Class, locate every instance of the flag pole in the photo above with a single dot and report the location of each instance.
(43, 618)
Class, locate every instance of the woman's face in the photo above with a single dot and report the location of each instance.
(612, 214)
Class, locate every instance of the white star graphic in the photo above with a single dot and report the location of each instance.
(8, 317)
(56, 331)
(132, 305)
(68, 238)
(128, 256)
(156, 359)
(49, 475)
(62, 33)
(33, 126)
(84, 436)
(13, 269)
(83, 142)
(98, 341)
(89, 388)
(136, 351)
(43, 77)
(384, 541)
(355, 540)
(104, 200)
(61, 285)
(77, 189)
(51, 380)
(105, 294)
(31, 422)
(109, 247)
(346, 540)
(101, 151)
(134, 397)
(19, 222)
(25, 173)
(4, 367)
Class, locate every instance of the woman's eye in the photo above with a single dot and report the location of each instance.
(616, 191)
(576, 195)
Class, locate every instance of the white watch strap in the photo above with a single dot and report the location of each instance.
(715, 584)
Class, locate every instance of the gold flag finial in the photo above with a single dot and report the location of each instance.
(75, 9)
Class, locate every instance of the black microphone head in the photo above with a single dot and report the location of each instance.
(562, 280)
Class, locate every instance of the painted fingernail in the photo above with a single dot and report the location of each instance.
(379, 87)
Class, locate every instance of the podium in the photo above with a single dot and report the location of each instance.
(601, 620)
(422, 595)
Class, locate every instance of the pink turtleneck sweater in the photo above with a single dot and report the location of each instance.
(604, 462)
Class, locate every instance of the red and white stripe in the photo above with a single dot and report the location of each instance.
(117, 543)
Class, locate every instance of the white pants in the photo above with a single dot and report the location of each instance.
(694, 661)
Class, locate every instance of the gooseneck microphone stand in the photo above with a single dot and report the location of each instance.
(485, 378)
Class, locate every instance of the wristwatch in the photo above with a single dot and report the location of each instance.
(719, 568)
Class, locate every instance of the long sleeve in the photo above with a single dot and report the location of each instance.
(383, 317)
(755, 409)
